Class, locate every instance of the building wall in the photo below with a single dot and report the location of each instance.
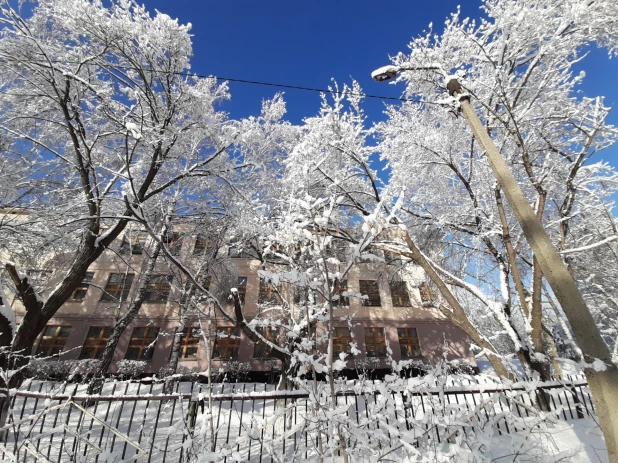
(436, 334)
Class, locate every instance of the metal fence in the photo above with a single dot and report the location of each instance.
(135, 421)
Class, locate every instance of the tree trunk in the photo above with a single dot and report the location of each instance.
(168, 388)
(603, 376)
(455, 311)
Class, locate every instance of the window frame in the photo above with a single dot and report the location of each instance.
(145, 344)
(271, 333)
(50, 342)
(200, 245)
(342, 301)
(82, 289)
(158, 292)
(98, 342)
(242, 289)
(425, 292)
(373, 293)
(269, 293)
(230, 342)
(375, 336)
(123, 289)
(409, 342)
(189, 340)
(400, 295)
(342, 341)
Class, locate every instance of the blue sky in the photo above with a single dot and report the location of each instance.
(309, 43)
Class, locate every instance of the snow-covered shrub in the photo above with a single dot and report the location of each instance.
(131, 369)
(84, 368)
(180, 370)
(50, 369)
(232, 371)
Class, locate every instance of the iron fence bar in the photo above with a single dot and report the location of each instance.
(66, 424)
(141, 431)
(109, 405)
(185, 423)
(51, 437)
(154, 431)
(119, 416)
(250, 440)
(124, 447)
(167, 440)
(263, 427)
(218, 418)
(76, 440)
(94, 412)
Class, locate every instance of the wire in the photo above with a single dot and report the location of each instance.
(294, 87)
(267, 84)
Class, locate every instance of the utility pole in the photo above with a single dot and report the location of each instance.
(603, 375)
(601, 372)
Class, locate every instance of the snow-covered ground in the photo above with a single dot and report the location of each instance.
(583, 437)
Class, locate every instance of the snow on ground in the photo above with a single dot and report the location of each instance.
(581, 436)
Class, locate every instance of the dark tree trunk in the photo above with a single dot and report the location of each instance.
(168, 387)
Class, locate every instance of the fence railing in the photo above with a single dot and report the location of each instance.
(136, 421)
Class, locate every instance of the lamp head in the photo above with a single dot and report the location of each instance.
(385, 73)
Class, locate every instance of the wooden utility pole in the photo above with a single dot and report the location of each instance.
(603, 376)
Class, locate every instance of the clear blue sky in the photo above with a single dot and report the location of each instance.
(306, 43)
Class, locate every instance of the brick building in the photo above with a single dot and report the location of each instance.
(396, 313)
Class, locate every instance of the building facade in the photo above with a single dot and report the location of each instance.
(396, 317)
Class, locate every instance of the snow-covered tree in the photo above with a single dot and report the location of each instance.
(102, 119)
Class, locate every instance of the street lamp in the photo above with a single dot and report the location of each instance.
(603, 378)
(385, 73)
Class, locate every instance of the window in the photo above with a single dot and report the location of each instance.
(425, 292)
(408, 342)
(190, 288)
(341, 341)
(158, 288)
(399, 294)
(201, 244)
(242, 288)
(189, 343)
(371, 289)
(271, 334)
(133, 242)
(268, 293)
(95, 342)
(118, 287)
(53, 340)
(80, 292)
(227, 343)
(375, 342)
(173, 241)
(141, 346)
(342, 301)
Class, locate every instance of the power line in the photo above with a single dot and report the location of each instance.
(294, 87)
(267, 84)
